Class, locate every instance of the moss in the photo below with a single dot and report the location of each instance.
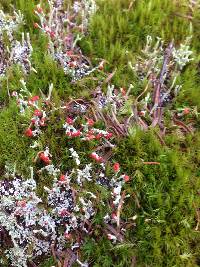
(163, 196)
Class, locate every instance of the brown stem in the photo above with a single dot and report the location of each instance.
(119, 208)
(157, 109)
(136, 200)
(182, 125)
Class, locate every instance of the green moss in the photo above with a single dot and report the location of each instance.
(163, 233)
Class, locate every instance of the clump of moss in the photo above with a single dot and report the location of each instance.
(164, 197)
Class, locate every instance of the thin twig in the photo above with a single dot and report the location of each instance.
(110, 76)
(157, 108)
(182, 125)
(151, 163)
(119, 208)
(136, 200)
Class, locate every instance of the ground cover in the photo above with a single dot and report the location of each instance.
(99, 134)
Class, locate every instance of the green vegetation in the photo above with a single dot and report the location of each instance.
(165, 198)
